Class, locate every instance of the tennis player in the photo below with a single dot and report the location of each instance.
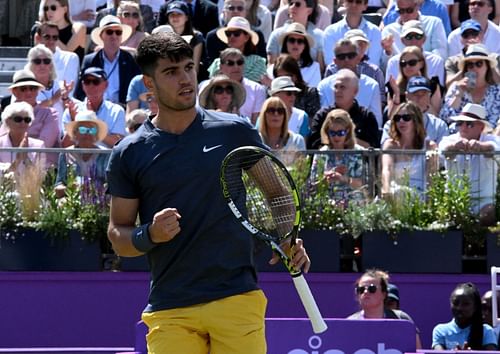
(204, 295)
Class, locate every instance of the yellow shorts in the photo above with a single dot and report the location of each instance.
(232, 325)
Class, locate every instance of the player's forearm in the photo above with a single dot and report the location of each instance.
(121, 240)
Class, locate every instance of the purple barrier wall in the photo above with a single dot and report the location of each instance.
(101, 309)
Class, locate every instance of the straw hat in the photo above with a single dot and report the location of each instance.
(87, 116)
(107, 22)
(299, 30)
(472, 113)
(477, 52)
(238, 23)
(25, 77)
(239, 91)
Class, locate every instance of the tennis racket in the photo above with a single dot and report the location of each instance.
(262, 196)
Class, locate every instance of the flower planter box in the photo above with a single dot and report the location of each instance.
(413, 252)
(32, 250)
(323, 248)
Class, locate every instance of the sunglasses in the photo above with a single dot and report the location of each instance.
(110, 32)
(272, 110)
(406, 117)
(218, 90)
(130, 14)
(344, 56)
(412, 36)
(235, 8)
(334, 133)
(470, 34)
(408, 10)
(94, 82)
(238, 62)
(235, 33)
(48, 37)
(411, 62)
(39, 61)
(467, 124)
(86, 130)
(372, 289)
(357, 2)
(28, 88)
(292, 40)
(471, 64)
(477, 3)
(19, 119)
(294, 3)
(51, 8)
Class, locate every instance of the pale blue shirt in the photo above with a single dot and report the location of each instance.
(336, 32)
(112, 69)
(273, 44)
(368, 95)
(449, 335)
(435, 41)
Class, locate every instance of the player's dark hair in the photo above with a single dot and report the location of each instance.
(475, 340)
(161, 45)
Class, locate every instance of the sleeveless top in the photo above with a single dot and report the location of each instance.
(65, 35)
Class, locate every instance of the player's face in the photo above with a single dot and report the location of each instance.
(367, 299)
(173, 84)
(49, 38)
(462, 307)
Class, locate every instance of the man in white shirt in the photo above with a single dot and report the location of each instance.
(472, 138)
(353, 20)
(408, 10)
(490, 33)
(415, 35)
(66, 63)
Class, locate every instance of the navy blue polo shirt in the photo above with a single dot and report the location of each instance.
(212, 256)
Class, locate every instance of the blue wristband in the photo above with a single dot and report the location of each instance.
(141, 239)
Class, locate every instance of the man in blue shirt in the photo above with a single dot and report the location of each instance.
(204, 295)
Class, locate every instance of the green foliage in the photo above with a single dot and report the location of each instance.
(10, 211)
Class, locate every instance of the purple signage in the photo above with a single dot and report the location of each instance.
(295, 336)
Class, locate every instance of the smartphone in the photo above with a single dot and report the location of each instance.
(471, 75)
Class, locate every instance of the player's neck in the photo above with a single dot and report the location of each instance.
(353, 20)
(174, 122)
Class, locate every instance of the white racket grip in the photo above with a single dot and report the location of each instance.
(318, 324)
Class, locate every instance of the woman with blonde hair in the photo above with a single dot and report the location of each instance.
(72, 35)
(407, 132)
(129, 13)
(341, 171)
(273, 128)
(412, 63)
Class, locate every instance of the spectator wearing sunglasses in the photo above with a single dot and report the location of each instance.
(274, 129)
(413, 34)
(238, 34)
(129, 14)
(482, 12)
(231, 8)
(72, 35)
(16, 119)
(408, 10)
(297, 42)
(86, 131)
(368, 93)
(477, 84)
(371, 292)
(232, 64)
(341, 173)
(300, 11)
(474, 136)
(322, 16)
(119, 65)
(95, 83)
(354, 20)
(45, 125)
(412, 63)
(222, 95)
(404, 173)
(148, 17)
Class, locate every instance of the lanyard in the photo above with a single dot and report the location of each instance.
(114, 66)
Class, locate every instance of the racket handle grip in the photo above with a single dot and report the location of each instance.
(312, 310)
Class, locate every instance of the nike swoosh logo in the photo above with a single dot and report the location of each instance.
(205, 149)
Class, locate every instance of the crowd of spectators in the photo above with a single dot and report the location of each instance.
(404, 75)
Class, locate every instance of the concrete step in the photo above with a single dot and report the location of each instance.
(14, 52)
